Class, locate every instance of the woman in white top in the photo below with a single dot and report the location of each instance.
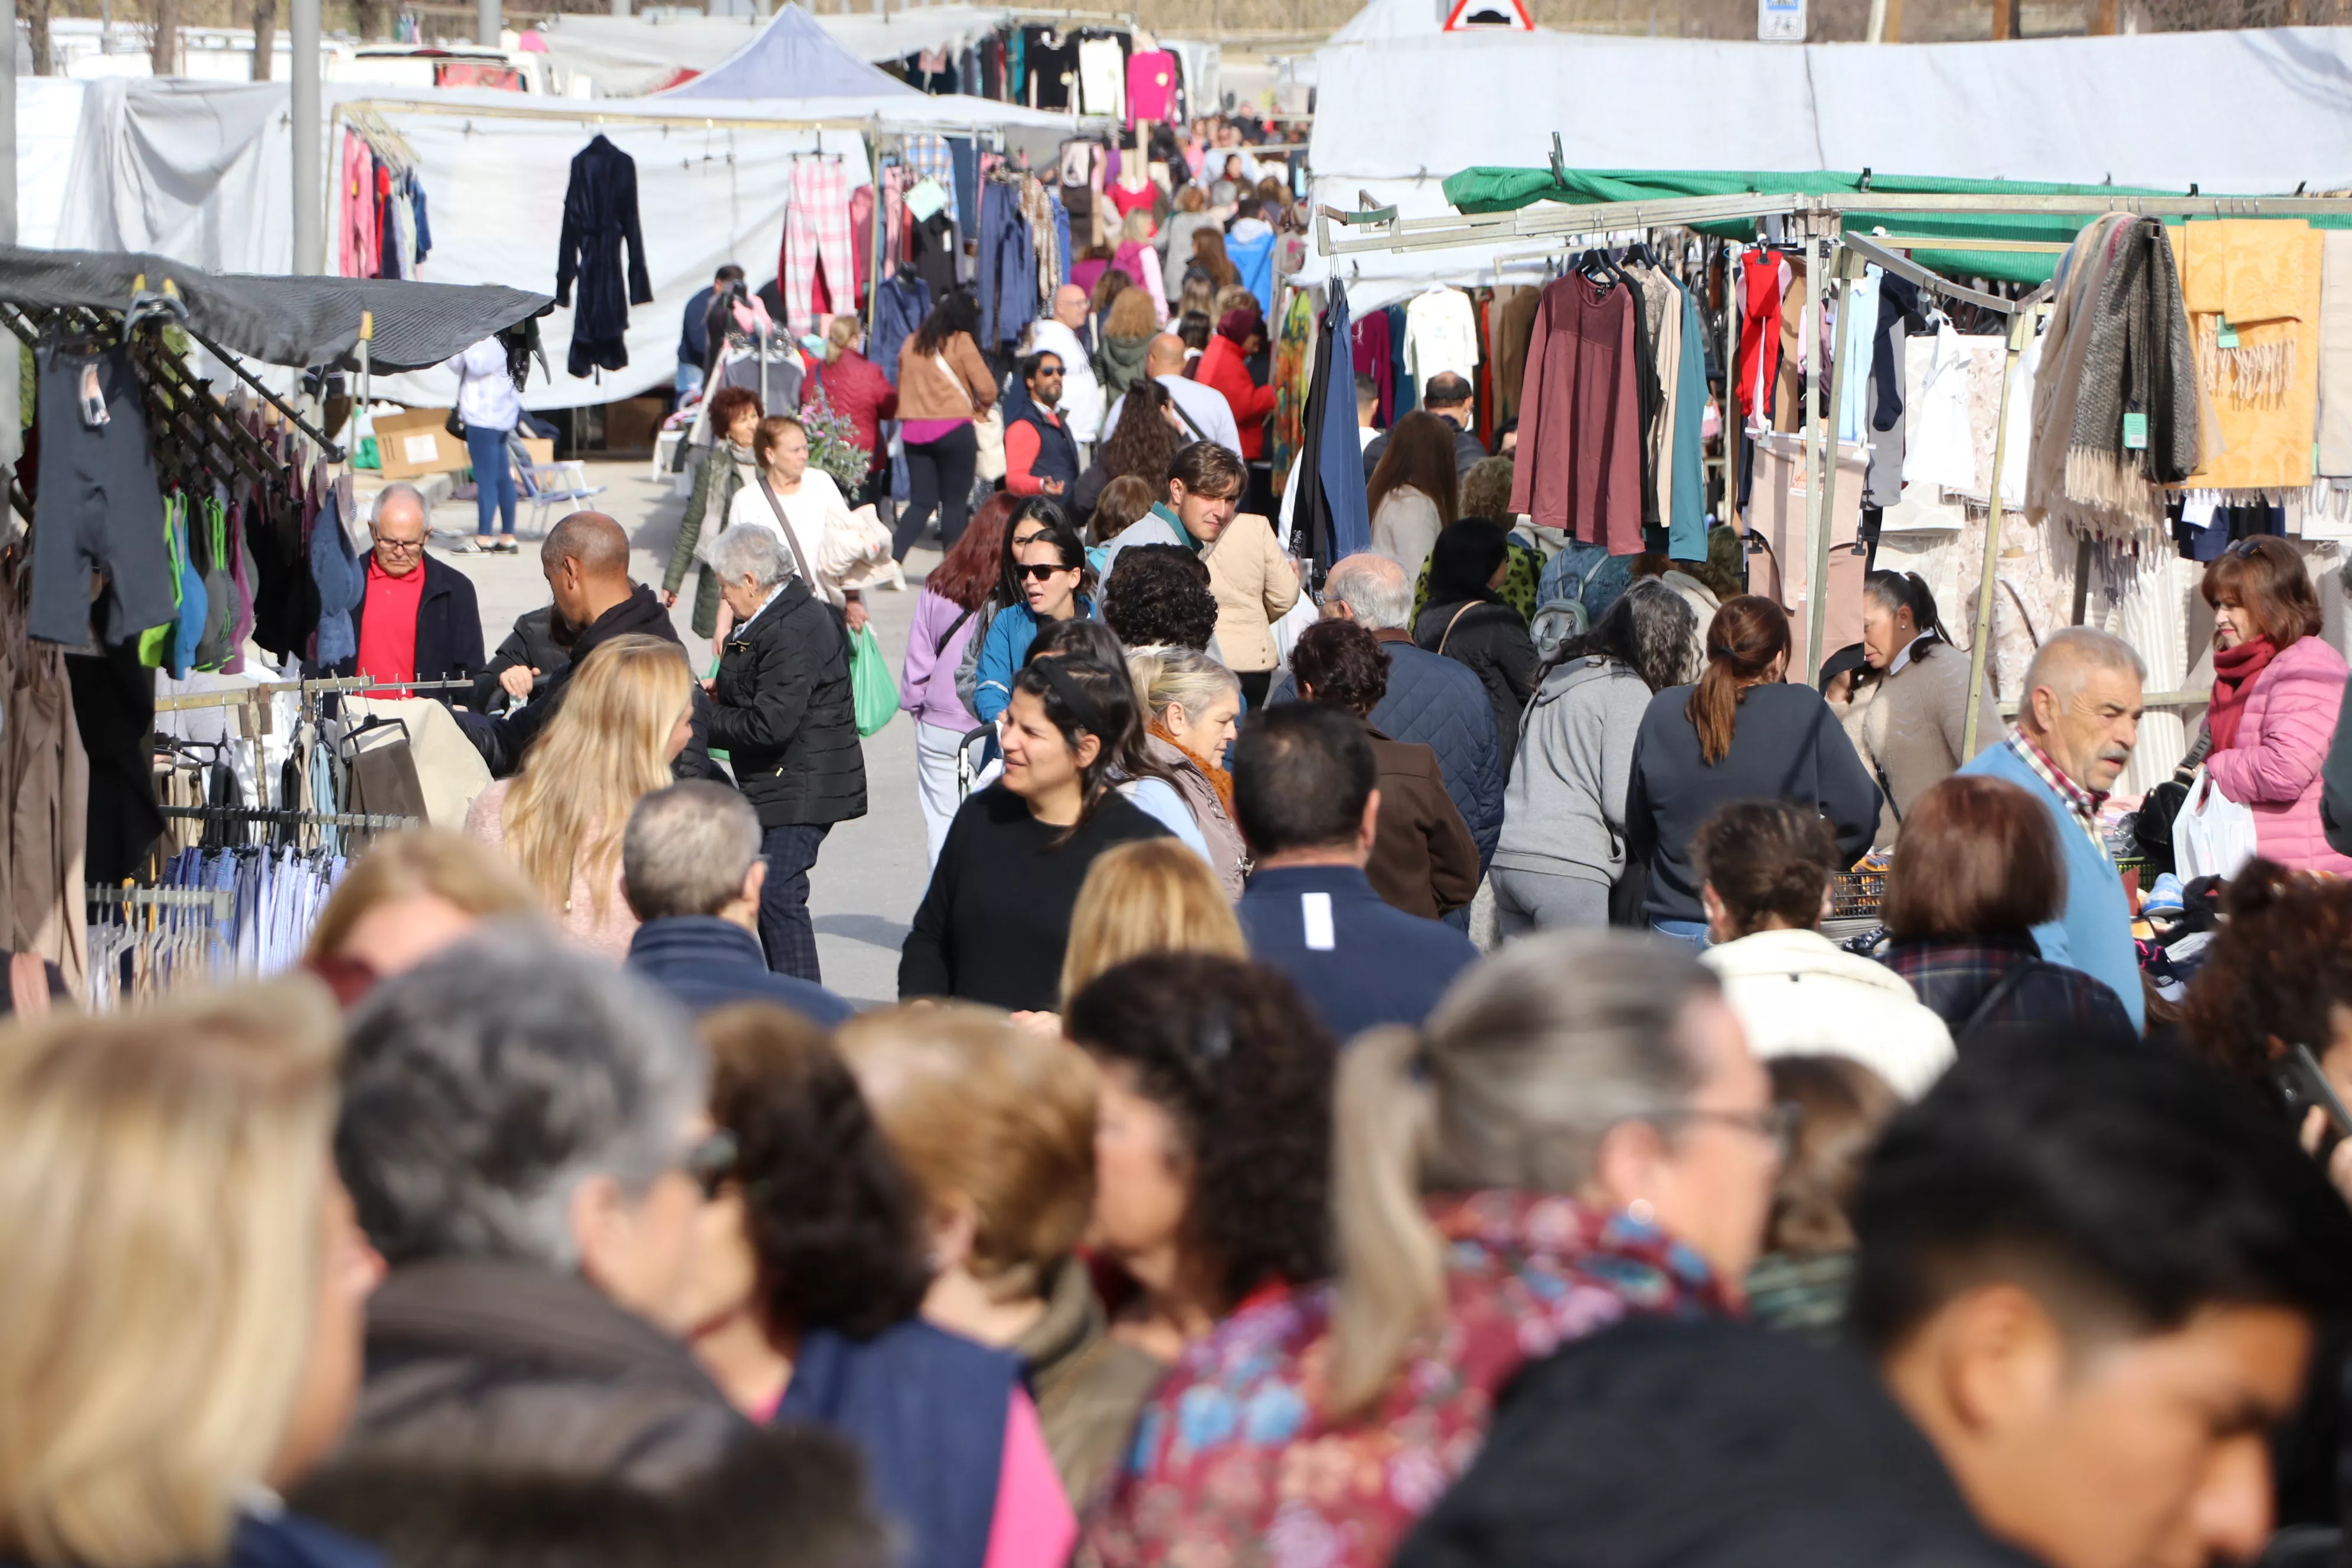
(1413, 495)
(800, 505)
(490, 407)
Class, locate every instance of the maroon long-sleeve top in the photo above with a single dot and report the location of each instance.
(1580, 458)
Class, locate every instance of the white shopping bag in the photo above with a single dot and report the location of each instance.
(2213, 836)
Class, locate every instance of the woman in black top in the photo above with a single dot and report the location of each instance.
(1468, 621)
(1741, 733)
(996, 917)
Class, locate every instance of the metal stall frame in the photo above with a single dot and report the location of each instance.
(1835, 258)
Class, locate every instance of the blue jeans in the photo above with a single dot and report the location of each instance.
(689, 380)
(494, 479)
(1692, 933)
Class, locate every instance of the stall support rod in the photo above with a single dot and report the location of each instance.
(489, 21)
(2020, 331)
(12, 420)
(1730, 420)
(310, 179)
(335, 454)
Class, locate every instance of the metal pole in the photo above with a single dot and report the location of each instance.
(2020, 329)
(309, 181)
(1824, 499)
(489, 21)
(1821, 454)
(1732, 422)
(12, 424)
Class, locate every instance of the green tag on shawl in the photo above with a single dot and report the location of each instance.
(2135, 432)
(2227, 335)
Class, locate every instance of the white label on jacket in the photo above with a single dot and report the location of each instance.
(1315, 909)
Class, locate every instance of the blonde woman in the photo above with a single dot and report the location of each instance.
(627, 712)
(410, 896)
(1154, 895)
(1192, 705)
(996, 1125)
(1547, 1156)
(1128, 329)
(179, 1333)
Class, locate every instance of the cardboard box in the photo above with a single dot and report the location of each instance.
(417, 442)
(631, 424)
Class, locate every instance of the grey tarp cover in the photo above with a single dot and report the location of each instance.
(296, 321)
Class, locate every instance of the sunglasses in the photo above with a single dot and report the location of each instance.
(711, 1162)
(1038, 571)
(2244, 549)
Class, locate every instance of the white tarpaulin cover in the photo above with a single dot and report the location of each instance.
(201, 171)
(2083, 110)
(2077, 110)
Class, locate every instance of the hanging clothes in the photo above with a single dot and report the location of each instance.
(1855, 335)
(1330, 519)
(816, 235)
(1763, 275)
(1008, 266)
(1151, 79)
(1580, 468)
(1687, 514)
(360, 247)
(45, 777)
(600, 216)
(1102, 78)
(2251, 287)
(1369, 353)
(1515, 323)
(1294, 352)
(901, 303)
(1441, 335)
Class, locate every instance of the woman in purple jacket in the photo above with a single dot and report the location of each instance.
(2277, 690)
(952, 610)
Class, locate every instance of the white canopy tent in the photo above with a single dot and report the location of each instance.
(2079, 110)
(629, 54)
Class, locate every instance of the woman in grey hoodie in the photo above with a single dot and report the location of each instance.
(1563, 844)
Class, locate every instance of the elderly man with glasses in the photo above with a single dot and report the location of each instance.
(418, 619)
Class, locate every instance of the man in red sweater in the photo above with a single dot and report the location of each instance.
(418, 620)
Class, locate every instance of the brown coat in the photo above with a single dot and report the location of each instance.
(1255, 587)
(1089, 1387)
(1424, 859)
(925, 393)
(1227, 856)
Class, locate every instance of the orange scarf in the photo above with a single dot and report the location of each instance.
(1219, 780)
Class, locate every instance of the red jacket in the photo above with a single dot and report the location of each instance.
(1220, 366)
(857, 392)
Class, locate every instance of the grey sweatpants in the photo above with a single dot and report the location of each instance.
(1539, 901)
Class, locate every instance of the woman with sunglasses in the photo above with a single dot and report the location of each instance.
(995, 920)
(1578, 1135)
(1050, 577)
(815, 1267)
(2278, 689)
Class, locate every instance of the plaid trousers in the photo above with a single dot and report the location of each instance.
(816, 232)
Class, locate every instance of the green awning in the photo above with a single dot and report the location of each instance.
(1494, 190)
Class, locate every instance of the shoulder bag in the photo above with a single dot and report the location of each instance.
(1447, 635)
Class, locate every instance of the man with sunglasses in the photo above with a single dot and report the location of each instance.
(418, 619)
(1040, 456)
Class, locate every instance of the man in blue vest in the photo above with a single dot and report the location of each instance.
(1040, 456)
(2074, 737)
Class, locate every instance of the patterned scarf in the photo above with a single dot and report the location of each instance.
(2234, 669)
(1219, 780)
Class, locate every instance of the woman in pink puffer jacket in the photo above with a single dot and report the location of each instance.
(2278, 689)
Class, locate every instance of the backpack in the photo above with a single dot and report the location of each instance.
(1558, 623)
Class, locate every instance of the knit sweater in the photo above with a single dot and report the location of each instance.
(1909, 727)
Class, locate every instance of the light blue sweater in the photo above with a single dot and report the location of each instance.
(2093, 931)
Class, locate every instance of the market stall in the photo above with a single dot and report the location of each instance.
(175, 532)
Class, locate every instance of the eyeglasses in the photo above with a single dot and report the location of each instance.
(1775, 1124)
(1038, 571)
(711, 1162)
(401, 546)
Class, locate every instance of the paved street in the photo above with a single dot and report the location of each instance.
(872, 872)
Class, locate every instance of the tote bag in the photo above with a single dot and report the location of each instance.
(2213, 836)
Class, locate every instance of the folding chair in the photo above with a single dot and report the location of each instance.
(550, 484)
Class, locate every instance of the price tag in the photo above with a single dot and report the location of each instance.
(2135, 432)
(2227, 337)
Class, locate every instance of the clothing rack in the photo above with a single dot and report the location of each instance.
(1835, 260)
(261, 693)
(293, 816)
(128, 897)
